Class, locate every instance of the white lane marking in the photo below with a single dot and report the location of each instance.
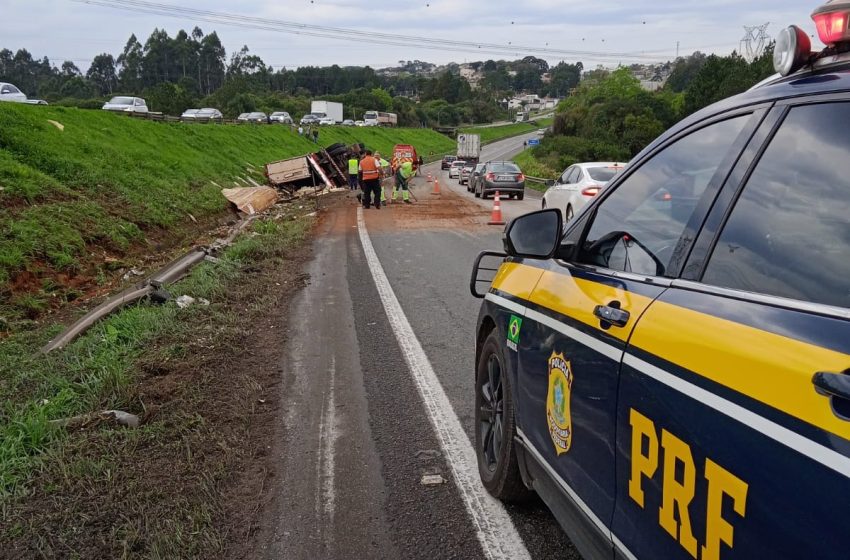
(823, 455)
(801, 444)
(495, 530)
(326, 493)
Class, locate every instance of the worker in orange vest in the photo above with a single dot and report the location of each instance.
(371, 170)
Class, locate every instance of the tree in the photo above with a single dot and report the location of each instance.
(102, 73)
(212, 58)
(69, 70)
(684, 71)
(130, 61)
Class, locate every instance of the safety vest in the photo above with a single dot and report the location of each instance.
(406, 169)
(369, 167)
(353, 166)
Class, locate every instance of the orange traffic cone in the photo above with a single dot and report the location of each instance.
(496, 215)
(436, 187)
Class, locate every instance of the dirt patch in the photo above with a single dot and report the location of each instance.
(189, 483)
(428, 211)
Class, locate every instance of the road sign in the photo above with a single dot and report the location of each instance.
(534, 142)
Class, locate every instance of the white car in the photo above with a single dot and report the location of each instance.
(359, 123)
(327, 121)
(126, 104)
(578, 184)
(190, 114)
(455, 167)
(8, 92)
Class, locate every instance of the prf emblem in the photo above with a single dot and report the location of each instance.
(558, 403)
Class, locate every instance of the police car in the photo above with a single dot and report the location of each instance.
(671, 371)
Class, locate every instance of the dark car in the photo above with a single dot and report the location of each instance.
(465, 172)
(447, 161)
(503, 176)
(670, 372)
(474, 177)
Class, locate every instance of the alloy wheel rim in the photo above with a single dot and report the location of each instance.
(492, 413)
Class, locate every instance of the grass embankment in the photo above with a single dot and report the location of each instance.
(74, 203)
(493, 133)
(157, 491)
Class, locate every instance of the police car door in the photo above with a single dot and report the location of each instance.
(734, 409)
(582, 312)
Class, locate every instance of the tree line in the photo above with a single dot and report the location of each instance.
(192, 69)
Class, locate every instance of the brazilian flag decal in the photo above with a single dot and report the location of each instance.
(513, 329)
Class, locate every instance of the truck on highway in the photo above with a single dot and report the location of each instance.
(328, 109)
(469, 147)
(379, 118)
(522, 116)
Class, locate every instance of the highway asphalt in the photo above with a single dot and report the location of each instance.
(378, 386)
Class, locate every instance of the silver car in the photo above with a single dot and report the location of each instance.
(209, 113)
(578, 184)
(126, 105)
(190, 114)
(8, 92)
(281, 117)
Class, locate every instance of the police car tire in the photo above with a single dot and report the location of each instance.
(505, 481)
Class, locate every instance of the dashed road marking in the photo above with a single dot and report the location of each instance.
(496, 532)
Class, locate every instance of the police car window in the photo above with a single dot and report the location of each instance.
(637, 227)
(789, 233)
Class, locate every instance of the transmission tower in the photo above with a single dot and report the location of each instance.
(754, 40)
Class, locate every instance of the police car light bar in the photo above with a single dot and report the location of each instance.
(831, 20)
(792, 50)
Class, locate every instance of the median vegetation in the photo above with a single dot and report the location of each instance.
(610, 117)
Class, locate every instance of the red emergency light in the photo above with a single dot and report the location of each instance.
(831, 20)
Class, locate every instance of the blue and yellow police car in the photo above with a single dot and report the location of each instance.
(670, 370)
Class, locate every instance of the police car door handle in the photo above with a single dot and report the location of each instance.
(611, 315)
(832, 384)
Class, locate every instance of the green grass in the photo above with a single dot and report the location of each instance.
(106, 182)
(96, 371)
(493, 133)
(534, 168)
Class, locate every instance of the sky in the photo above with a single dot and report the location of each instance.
(608, 32)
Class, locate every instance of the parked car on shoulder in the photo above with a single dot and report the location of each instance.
(281, 117)
(675, 359)
(455, 167)
(9, 92)
(503, 176)
(447, 161)
(348, 122)
(126, 104)
(578, 184)
(465, 172)
(474, 177)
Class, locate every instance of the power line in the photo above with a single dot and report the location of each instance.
(344, 34)
(754, 40)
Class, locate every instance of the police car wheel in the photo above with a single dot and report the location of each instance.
(495, 426)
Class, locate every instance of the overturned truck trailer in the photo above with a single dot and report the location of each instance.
(319, 170)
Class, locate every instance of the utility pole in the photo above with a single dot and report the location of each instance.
(677, 49)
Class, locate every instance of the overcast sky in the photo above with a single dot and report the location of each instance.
(638, 29)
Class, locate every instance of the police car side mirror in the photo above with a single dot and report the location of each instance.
(535, 235)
